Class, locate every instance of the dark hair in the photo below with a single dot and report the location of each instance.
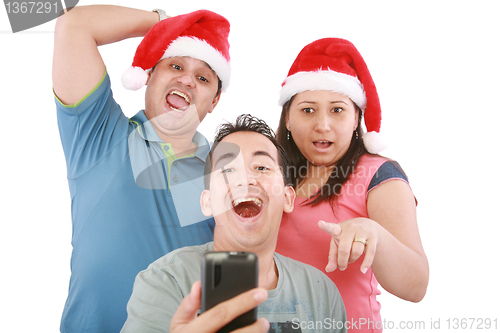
(248, 123)
(219, 87)
(343, 169)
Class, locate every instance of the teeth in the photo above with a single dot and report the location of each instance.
(257, 201)
(178, 93)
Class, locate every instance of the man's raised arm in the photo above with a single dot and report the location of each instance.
(77, 65)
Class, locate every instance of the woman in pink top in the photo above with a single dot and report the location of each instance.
(355, 213)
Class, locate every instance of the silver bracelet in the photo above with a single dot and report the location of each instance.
(161, 14)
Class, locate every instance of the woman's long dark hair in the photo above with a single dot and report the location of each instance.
(343, 169)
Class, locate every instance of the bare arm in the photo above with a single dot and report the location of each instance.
(77, 65)
(393, 249)
(400, 263)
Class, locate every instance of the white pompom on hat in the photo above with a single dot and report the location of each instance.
(335, 64)
(201, 35)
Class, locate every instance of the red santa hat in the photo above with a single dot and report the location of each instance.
(201, 35)
(335, 64)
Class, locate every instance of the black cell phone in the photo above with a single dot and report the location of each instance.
(225, 275)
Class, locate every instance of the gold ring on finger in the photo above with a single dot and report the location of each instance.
(361, 240)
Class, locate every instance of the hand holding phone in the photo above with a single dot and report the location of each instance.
(226, 275)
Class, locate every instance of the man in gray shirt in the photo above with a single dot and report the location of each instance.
(247, 193)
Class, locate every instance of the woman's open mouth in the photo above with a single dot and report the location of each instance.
(322, 144)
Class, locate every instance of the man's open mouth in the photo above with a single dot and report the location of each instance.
(178, 101)
(247, 207)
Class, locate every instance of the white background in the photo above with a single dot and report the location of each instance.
(436, 67)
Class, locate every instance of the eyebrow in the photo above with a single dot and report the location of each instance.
(231, 157)
(204, 63)
(225, 156)
(264, 153)
(210, 68)
(313, 102)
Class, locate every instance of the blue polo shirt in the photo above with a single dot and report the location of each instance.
(132, 201)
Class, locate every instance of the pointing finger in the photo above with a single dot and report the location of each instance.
(332, 229)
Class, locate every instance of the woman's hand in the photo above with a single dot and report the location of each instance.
(350, 239)
(393, 248)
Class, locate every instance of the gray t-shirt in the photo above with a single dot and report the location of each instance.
(305, 300)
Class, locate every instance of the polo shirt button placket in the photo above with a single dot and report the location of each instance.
(175, 179)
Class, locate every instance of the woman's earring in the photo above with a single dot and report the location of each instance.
(357, 136)
(288, 135)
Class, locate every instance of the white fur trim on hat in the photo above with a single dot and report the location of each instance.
(200, 49)
(374, 142)
(340, 83)
(134, 78)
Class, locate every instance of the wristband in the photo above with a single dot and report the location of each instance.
(161, 14)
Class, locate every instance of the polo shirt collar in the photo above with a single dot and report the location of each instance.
(145, 126)
(151, 135)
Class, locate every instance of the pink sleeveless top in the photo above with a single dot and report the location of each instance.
(300, 238)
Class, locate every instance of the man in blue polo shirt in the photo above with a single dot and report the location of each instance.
(134, 183)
